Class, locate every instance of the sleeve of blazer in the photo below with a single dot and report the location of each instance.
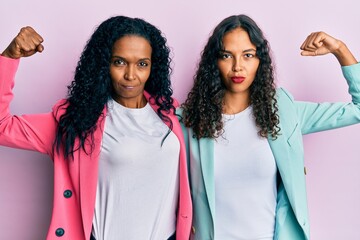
(315, 117)
(31, 132)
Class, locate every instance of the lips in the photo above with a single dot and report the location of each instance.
(237, 79)
(128, 87)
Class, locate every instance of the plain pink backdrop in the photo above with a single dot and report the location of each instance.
(332, 158)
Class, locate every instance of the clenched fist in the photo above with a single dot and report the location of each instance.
(25, 44)
(321, 43)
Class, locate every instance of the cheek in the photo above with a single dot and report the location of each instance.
(113, 82)
(115, 77)
(255, 67)
(114, 74)
(251, 70)
(223, 68)
(144, 75)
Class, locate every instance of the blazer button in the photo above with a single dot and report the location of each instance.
(67, 194)
(59, 232)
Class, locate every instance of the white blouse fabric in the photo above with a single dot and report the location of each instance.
(245, 181)
(137, 192)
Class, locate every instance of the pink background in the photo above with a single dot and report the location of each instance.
(332, 158)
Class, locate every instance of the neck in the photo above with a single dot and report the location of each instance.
(235, 103)
(133, 103)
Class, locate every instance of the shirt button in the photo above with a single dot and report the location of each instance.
(193, 229)
(67, 193)
(59, 232)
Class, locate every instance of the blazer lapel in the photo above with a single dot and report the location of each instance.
(286, 164)
(89, 175)
(206, 147)
(282, 158)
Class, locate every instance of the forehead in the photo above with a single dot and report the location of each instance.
(132, 45)
(237, 39)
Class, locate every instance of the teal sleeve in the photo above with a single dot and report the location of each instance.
(315, 117)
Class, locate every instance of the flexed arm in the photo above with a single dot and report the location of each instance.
(315, 117)
(32, 131)
(25, 44)
(320, 43)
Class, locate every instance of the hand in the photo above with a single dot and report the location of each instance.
(25, 44)
(319, 43)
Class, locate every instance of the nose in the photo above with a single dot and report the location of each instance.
(129, 73)
(237, 65)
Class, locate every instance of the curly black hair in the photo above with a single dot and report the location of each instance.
(202, 110)
(91, 88)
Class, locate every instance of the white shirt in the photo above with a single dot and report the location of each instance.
(245, 181)
(137, 191)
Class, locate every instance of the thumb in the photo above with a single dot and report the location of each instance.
(40, 48)
(308, 53)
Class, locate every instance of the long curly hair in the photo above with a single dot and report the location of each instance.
(202, 110)
(91, 88)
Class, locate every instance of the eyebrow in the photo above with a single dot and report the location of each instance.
(245, 51)
(141, 59)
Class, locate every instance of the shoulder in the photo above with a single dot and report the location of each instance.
(282, 93)
(175, 102)
(179, 110)
(152, 99)
(284, 98)
(59, 108)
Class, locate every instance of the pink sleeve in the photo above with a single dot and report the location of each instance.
(32, 132)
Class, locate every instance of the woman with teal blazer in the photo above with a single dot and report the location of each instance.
(244, 136)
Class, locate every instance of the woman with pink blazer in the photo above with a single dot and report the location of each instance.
(119, 156)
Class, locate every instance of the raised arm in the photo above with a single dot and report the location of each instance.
(33, 132)
(320, 43)
(314, 117)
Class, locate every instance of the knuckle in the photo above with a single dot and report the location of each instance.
(25, 30)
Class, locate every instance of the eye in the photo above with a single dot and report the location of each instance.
(143, 64)
(225, 55)
(119, 62)
(249, 55)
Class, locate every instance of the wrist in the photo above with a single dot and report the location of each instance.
(341, 49)
(6, 54)
(343, 55)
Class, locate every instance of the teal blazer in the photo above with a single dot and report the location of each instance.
(296, 118)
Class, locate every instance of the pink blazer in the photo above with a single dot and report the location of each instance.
(75, 181)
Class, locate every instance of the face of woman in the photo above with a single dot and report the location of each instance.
(238, 62)
(130, 68)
